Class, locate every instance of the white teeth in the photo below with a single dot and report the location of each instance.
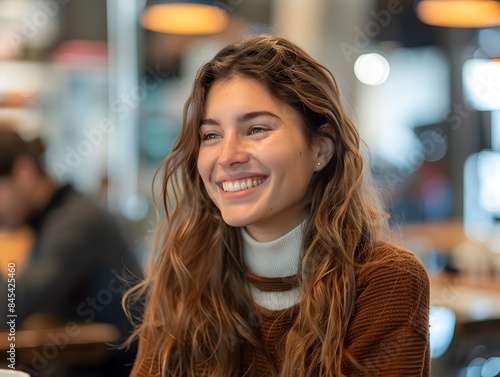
(241, 185)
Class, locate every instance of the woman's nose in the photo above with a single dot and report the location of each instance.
(233, 150)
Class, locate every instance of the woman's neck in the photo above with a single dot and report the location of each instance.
(278, 258)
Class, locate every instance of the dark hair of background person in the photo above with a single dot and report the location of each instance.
(13, 146)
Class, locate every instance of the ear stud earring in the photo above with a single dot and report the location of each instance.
(319, 163)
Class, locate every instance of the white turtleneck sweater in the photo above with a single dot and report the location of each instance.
(274, 259)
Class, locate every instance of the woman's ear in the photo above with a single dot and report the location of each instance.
(324, 147)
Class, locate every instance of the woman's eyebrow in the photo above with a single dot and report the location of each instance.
(209, 122)
(240, 118)
(255, 114)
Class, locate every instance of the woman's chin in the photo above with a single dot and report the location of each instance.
(236, 221)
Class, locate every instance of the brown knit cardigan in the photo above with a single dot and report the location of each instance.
(388, 333)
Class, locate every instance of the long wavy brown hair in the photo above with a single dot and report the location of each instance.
(199, 312)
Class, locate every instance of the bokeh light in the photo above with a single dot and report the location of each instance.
(371, 69)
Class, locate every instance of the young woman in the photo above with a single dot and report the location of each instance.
(270, 259)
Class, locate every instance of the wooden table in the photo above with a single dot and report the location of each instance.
(472, 298)
(73, 344)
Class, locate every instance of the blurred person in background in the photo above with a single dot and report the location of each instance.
(80, 261)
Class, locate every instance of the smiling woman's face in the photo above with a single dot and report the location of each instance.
(254, 160)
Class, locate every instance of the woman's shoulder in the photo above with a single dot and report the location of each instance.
(388, 332)
(392, 260)
(393, 271)
(394, 280)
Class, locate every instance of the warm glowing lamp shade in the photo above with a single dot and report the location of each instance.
(184, 17)
(459, 13)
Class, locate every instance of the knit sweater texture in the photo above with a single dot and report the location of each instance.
(388, 333)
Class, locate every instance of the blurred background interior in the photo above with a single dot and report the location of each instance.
(104, 83)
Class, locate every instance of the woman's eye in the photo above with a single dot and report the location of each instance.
(209, 136)
(257, 130)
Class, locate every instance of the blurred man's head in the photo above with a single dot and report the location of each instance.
(24, 185)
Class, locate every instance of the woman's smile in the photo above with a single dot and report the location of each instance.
(242, 184)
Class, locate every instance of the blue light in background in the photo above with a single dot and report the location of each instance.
(442, 321)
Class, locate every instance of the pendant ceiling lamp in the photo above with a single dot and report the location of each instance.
(188, 17)
(459, 13)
